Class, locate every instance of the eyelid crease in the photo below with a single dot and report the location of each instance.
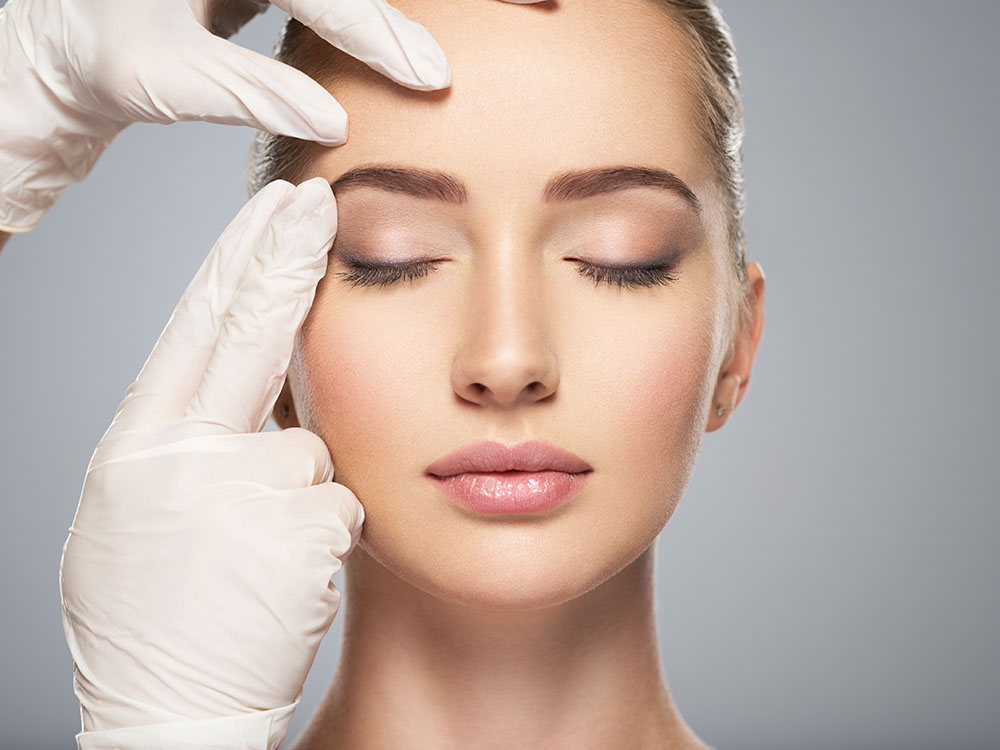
(353, 259)
(667, 263)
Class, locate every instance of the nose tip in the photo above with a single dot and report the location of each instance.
(506, 393)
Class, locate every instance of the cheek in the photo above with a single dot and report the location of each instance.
(358, 375)
(644, 379)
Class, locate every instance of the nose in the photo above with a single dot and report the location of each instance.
(506, 356)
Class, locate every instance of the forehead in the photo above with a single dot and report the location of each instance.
(535, 91)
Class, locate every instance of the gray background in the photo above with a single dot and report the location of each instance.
(829, 580)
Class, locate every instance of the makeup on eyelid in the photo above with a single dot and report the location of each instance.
(627, 219)
(604, 246)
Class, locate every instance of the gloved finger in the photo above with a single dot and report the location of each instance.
(174, 368)
(185, 455)
(237, 86)
(247, 368)
(306, 535)
(337, 503)
(281, 460)
(379, 35)
(300, 454)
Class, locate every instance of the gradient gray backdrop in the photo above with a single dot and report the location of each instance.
(829, 580)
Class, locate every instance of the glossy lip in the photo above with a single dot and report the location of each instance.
(489, 455)
(490, 477)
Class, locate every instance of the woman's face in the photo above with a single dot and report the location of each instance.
(505, 338)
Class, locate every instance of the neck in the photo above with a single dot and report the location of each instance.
(582, 674)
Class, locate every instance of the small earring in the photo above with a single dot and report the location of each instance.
(283, 410)
(720, 410)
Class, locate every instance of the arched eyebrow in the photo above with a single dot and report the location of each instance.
(567, 186)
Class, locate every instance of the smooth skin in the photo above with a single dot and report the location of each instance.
(79, 72)
(468, 631)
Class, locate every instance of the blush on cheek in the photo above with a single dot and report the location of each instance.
(366, 379)
(663, 411)
(337, 380)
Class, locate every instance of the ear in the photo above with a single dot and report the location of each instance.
(283, 413)
(734, 376)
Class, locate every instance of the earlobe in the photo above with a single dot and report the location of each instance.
(724, 400)
(730, 393)
(283, 413)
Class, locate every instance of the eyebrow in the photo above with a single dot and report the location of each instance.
(567, 186)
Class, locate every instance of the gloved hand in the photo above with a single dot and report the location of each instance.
(74, 73)
(195, 581)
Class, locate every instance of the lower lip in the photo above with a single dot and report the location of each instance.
(511, 491)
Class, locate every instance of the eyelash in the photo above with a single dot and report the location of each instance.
(636, 277)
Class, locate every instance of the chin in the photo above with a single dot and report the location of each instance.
(506, 569)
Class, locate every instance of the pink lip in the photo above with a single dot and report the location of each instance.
(491, 477)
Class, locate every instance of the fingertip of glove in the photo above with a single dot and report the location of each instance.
(314, 198)
(320, 200)
(330, 126)
(434, 77)
(319, 187)
(355, 511)
(280, 189)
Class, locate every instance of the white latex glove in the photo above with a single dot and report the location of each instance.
(74, 73)
(196, 578)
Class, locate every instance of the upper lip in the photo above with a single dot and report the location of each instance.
(489, 455)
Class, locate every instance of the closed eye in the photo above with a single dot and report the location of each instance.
(383, 274)
(627, 276)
